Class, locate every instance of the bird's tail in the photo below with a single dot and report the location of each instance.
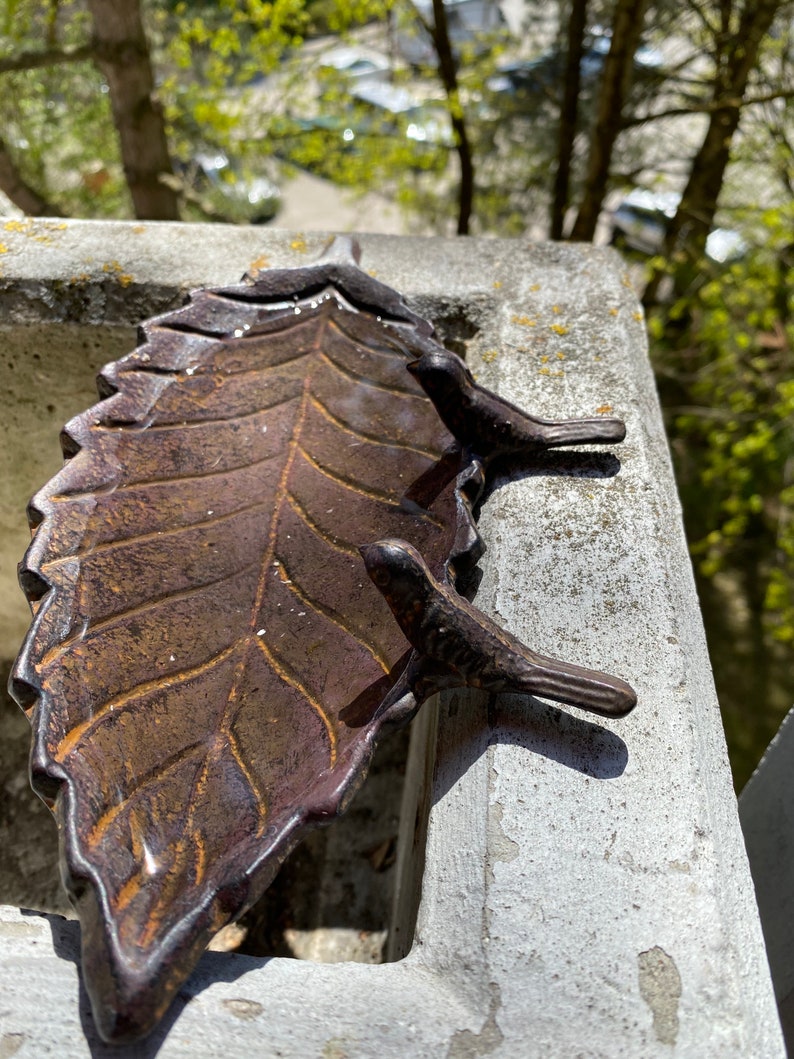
(583, 431)
(574, 685)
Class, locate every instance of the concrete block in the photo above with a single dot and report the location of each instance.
(585, 889)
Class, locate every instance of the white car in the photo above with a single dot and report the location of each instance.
(641, 220)
(246, 200)
(359, 64)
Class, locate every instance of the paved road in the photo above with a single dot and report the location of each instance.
(312, 204)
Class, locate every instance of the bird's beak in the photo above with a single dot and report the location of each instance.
(413, 366)
(583, 432)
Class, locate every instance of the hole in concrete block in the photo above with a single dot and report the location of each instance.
(456, 322)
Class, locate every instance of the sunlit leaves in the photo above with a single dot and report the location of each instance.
(734, 436)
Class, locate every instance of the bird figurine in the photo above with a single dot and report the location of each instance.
(456, 645)
(491, 426)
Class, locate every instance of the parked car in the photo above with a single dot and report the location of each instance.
(469, 23)
(358, 64)
(423, 122)
(536, 77)
(640, 222)
(378, 120)
(219, 187)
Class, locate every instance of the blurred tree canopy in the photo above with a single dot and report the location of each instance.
(118, 108)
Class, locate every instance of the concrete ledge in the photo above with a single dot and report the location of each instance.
(586, 890)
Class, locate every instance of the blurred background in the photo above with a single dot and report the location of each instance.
(665, 128)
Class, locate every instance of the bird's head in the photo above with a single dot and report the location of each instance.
(399, 572)
(440, 371)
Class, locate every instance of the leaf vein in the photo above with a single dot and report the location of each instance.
(370, 492)
(111, 487)
(103, 823)
(125, 698)
(192, 424)
(140, 608)
(341, 546)
(121, 542)
(371, 438)
(285, 673)
(300, 593)
(364, 380)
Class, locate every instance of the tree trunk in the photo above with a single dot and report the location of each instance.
(14, 187)
(122, 55)
(626, 29)
(688, 230)
(568, 116)
(448, 71)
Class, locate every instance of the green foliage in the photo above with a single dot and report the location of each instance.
(57, 120)
(727, 381)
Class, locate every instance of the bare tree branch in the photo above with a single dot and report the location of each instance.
(34, 60)
(569, 115)
(15, 187)
(686, 234)
(52, 24)
(709, 107)
(448, 72)
(701, 15)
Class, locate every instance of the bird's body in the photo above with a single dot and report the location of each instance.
(457, 645)
(492, 426)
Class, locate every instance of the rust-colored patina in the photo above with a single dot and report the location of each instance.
(215, 576)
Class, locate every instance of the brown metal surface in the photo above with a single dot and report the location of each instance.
(210, 666)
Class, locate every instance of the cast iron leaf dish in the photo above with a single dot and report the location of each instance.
(244, 575)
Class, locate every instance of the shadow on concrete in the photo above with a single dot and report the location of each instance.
(214, 967)
(551, 464)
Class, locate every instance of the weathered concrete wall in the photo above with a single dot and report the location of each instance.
(586, 890)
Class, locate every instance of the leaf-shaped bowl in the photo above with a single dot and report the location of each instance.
(210, 665)
(215, 576)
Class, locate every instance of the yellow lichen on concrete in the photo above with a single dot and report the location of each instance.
(258, 264)
(558, 329)
(114, 269)
(37, 229)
